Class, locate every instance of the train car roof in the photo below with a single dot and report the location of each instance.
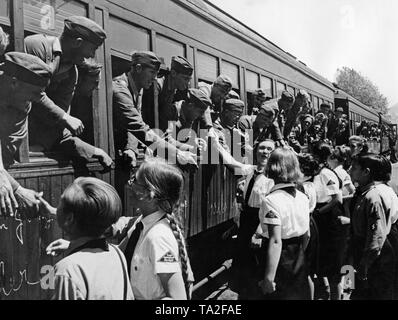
(225, 20)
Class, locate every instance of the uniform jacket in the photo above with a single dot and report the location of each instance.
(371, 223)
(130, 130)
(55, 102)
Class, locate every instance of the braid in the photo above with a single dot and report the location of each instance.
(182, 251)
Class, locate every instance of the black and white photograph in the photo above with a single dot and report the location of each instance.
(211, 152)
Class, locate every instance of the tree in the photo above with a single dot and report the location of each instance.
(362, 89)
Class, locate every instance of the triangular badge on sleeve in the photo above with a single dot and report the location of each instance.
(168, 257)
(330, 183)
(271, 215)
(347, 178)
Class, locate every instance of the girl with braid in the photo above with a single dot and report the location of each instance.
(328, 215)
(154, 246)
(155, 249)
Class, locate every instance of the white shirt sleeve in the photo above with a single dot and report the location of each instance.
(164, 254)
(269, 214)
(330, 182)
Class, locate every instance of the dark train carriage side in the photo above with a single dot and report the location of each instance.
(214, 43)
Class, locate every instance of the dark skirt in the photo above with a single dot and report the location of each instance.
(245, 262)
(333, 240)
(292, 273)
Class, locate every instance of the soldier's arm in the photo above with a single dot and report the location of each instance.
(291, 117)
(276, 133)
(129, 119)
(65, 90)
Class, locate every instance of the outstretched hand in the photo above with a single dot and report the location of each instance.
(57, 247)
(8, 202)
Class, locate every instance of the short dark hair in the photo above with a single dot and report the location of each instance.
(95, 205)
(322, 151)
(343, 155)
(379, 166)
(308, 164)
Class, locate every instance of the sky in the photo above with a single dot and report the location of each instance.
(329, 34)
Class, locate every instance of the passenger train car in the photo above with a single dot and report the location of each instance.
(357, 113)
(215, 43)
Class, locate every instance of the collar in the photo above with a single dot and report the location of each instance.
(338, 167)
(76, 244)
(150, 220)
(280, 186)
(133, 87)
(366, 188)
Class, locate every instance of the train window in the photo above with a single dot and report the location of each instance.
(5, 11)
(266, 83)
(251, 81)
(48, 15)
(279, 88)
(231, 70)
(315, 104)
(166, 48)
(291, 90)
(120, 30)
(207, 66)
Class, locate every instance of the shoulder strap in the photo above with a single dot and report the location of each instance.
(125, 276)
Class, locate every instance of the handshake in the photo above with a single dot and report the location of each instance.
(22, 203)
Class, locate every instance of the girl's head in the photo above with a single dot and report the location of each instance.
(308, 164)
(322, 151)
(369, 167)
(283, 166)
(263, 151)
(357, 144)
(88, 207)
(341, 155)
(157, 185)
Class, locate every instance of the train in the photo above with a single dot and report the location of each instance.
(357, 113)
(215, 43)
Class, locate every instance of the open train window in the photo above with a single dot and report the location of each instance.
(292, 90)
(231, 70)
(280, 87)
(266, 84)
(252, 83)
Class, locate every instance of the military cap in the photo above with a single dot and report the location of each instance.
(147, 58)
(267, 108)
(85, 28)
(232, 95)
(181, 65)
(199, 98)
(27, 68)
(261, 93)
(325, 105)
(304, 93)
(287, 96)
(233, 104)
(224, 82)
(340, 109)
